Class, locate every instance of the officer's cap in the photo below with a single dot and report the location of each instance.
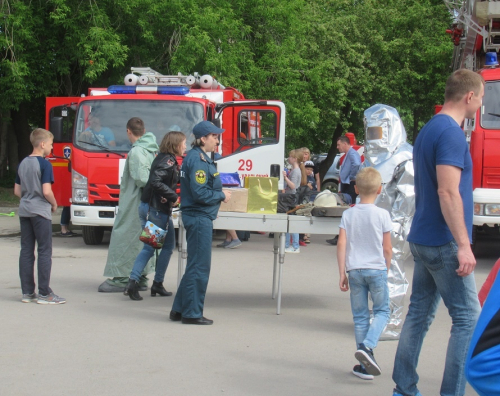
(204, 128)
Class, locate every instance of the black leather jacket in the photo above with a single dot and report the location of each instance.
(162, 183)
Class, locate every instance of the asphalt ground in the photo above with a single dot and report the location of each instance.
(106, 344)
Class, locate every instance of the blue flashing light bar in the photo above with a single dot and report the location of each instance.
(147, 89)
(491, 59)
(168, 90)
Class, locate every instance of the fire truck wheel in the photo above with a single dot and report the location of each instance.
(330, 185)
(92, 235)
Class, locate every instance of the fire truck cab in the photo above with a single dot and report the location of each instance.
(88, 167)
(475, 34)
(485, 152)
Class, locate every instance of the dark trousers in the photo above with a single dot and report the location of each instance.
(35, 229)
(190, 297)
(348, 188)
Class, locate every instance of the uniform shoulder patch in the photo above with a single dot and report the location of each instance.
(201, 176)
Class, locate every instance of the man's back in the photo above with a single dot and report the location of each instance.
(32, 173)
(440, 142)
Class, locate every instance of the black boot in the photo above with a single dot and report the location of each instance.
(158, 288)
(132, 290)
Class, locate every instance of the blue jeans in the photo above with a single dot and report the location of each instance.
(66, 216)
(362, 282)
(435, 277)
(295, 240)
(161, 220)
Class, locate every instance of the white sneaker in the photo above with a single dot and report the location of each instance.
(233, 244)
(292, 250)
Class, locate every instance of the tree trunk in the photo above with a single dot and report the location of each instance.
(4, 131)
(13, 153)
(22, 131)
(416, 116)
(332, 152)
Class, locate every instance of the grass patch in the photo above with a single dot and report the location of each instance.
(7, 198)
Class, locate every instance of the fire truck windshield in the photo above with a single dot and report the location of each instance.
(490, 111)
(101, 124)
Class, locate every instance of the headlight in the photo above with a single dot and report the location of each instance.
(492, 209)
(478, 209)
(80, 188)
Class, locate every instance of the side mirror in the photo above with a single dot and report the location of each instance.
(275, 170)
(56, 127)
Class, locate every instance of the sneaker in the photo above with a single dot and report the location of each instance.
(366, 358)
(333, 241)
(360, 372)
(223, 244)
(302, 243)
(68, 234)
(50, 299)
(233, 244)
(27, 298)
(292, 250)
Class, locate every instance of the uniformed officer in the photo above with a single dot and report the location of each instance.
(201, 191)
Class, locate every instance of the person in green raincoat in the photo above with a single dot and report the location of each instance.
(125, 244)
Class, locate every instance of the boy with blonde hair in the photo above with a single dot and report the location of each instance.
(34, 186)
(364, 252)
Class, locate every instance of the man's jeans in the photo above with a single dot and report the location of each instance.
(161, 220)
(362, 281)
(435, 277)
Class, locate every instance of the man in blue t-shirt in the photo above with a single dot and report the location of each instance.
(440, 237)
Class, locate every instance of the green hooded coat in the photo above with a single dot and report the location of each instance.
(125, 245)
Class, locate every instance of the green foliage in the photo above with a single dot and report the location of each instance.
(8, 180)
(327, 60)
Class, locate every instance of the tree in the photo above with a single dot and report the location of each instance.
(50, 48)
(392, 52)
(327, 60)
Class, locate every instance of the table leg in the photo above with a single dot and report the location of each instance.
(280, 276)
(275, 267)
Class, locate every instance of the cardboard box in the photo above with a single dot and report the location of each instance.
(238, 201)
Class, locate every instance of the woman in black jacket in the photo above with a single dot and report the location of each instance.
(157, 199)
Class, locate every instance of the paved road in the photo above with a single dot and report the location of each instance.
(106, 344)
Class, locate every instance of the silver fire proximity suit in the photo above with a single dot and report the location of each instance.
(387, 151)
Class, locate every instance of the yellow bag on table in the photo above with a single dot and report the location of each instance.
(262, 194)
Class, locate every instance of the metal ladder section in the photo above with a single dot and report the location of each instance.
(463, 12)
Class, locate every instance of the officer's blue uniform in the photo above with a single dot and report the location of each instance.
(201, 191)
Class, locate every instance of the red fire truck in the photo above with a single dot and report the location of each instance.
(476, 35)
(88, 171)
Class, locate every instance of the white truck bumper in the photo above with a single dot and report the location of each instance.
(98, 216)
(486, 206)
(101, 216)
